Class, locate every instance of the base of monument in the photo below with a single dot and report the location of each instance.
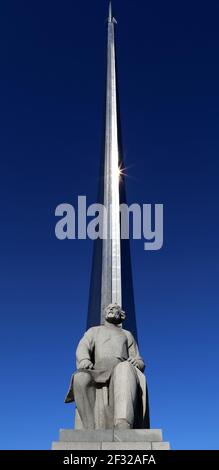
(131, 439)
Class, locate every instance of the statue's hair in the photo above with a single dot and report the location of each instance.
(115, 305)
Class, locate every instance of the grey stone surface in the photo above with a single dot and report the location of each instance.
(76, 446)
(132, 439)
(71, 435)
(110, 445)
(160, 446)
(116, 355)
(138, 435)
(126, 446)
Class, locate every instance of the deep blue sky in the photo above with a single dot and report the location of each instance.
(52, 80)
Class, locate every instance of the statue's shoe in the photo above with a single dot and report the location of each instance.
(122, 424)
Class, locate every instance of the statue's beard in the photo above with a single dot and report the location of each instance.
(114, 319)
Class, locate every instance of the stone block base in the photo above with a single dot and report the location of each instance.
(131, 439)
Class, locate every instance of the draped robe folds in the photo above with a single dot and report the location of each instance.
(107, 346)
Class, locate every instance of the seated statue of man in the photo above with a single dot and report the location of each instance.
(109, 387)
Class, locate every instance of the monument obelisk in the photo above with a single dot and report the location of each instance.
(111, 276)
(109, 386)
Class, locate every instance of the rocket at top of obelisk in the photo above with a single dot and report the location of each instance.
(111, 19)
(111, 277)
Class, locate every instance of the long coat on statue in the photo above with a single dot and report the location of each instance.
(106, 346)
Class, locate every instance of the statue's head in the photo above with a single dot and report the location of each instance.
(114, 314)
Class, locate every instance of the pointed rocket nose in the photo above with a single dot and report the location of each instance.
(110, 18)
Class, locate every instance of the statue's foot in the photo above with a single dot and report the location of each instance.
(122, 424)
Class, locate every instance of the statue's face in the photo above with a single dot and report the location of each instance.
(114, 314)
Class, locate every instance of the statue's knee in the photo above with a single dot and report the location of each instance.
(81, 380)
(123, 367)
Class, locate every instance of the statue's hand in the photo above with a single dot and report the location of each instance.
(133, 362)
(86, 364)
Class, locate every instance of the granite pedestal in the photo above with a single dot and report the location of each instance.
(131, 439)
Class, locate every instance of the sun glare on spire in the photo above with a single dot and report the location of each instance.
(121, 172)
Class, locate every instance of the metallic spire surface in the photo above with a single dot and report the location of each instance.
(110, 13)
(111, 256)
(111, 278)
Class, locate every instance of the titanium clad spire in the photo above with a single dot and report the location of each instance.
(111, 256)
(111, 277)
